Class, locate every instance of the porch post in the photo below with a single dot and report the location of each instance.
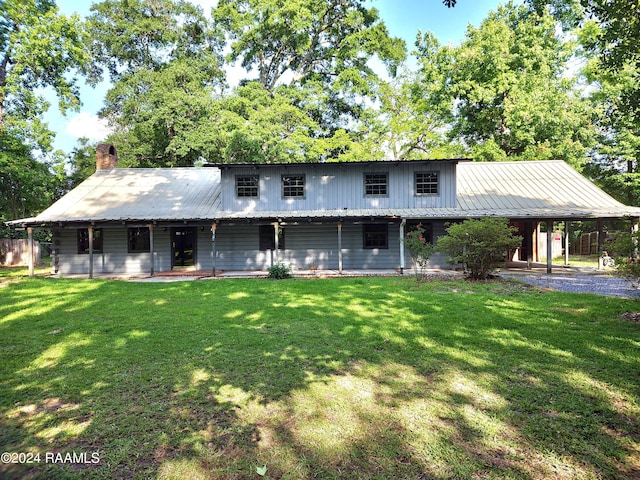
(533, 243)
(340, 246)
(634, 236)
(214, 253)
(152, 249)
(30, 250)
(276, 227)
(90, 232)
(600, 243)
(549, 244)
(566, 243)
(402, 225)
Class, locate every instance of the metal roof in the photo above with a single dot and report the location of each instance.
(543, 189)
(532, 189)
(138, 194)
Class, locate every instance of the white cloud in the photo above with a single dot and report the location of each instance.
(87, 125)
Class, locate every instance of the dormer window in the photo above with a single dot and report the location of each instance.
(247, 186)
(376, 184)
(427, 183)
(293, 186)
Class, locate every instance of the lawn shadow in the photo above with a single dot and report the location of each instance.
(319, 378)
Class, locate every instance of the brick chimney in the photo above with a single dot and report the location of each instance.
(106, 157)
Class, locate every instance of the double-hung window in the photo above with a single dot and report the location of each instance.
(247, 186)
(139, 240)
(83, 240)
(293, 186)
(376, 184)
(427, 183)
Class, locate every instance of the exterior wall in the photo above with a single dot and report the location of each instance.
(336, 186)
(114, 257)
(307, 246)
(311, 246)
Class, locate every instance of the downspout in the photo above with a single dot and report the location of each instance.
(152, 249)
(402, 225)
(340, 246)
(214, 253)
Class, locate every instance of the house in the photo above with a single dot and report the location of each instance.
(310, 216)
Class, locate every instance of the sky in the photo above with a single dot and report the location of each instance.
(403, 19)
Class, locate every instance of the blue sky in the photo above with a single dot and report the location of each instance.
(403, 19)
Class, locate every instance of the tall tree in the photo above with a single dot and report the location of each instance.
(38, 49)
(164, 60)
(507, 91)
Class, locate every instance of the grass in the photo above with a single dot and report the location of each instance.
(333, 378)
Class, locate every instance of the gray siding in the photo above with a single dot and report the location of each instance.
(114, 257)
(337, 186)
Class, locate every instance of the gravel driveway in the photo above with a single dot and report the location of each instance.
(598, 283)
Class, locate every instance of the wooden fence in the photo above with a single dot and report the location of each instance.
(587, 244)
(15, 252)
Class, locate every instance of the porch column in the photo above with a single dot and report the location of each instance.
(152, 250)
(566, 243)
(340, 246)
(634, 236)
(549, 244)
(528, 231)
(402, 225)
(600, 243)
(214, 253)
(90, 232)
(276, 227)
(30, 250)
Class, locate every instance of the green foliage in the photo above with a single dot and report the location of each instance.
(504, 87)
(623, 248)
(419, 248)
(39, 47)
(279, 271)
(480, 245)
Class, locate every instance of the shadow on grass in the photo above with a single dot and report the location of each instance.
(359, 378)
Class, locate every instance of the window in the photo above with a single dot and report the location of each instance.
(293, 186)
(426, 226)
(426, 183)
(247, 185)
(375, 235)
(375, 183)
(139, 240)
(83, 240)
(268, 238)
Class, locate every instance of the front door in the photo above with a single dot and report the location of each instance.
(183, 247)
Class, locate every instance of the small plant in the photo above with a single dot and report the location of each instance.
(419, 249)
(279, 271)
(480, 245)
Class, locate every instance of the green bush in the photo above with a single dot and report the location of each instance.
(419, 249)
(480, 245)
(623, 247)
(279, 271)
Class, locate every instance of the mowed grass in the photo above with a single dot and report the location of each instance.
(331, 378)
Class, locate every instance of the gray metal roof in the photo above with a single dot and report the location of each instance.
(139, 194)
(543, 189)
(533, 189)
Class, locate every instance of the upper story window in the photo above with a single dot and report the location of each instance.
(139, 240)
(427, 183)
(247, 186)
(83, 240)
(376, 183)
(293, 186)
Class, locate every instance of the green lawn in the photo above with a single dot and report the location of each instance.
(333, 378)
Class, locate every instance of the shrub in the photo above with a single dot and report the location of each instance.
(419, 249)
(623, 247)
(480, 245)
(279, 271)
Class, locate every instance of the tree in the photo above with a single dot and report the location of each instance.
(479, 244)
(38, 49)
(504, 86)
(165, 63)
